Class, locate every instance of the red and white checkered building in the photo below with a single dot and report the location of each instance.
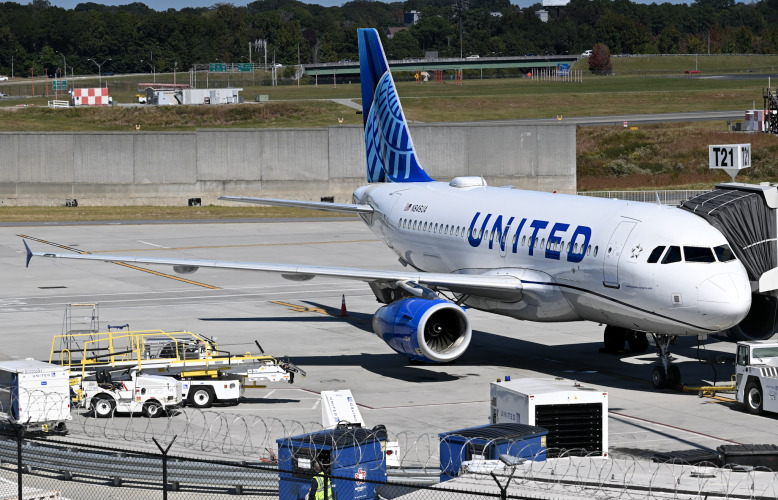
(90, 97)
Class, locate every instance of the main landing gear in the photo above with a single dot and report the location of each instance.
(665, 374)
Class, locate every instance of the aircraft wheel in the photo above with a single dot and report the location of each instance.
(103, 406)
(673, 377)
(658, 377)
(638, 341)
(753, 399)
(202, 397)
(614, 338)
(152, 409)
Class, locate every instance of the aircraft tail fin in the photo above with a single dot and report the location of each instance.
(391, 156)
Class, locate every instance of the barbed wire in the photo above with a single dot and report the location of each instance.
(209, 432)
(632, 478)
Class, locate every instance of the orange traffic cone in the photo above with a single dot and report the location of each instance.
(343, 311)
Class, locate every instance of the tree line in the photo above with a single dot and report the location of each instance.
(39, 37)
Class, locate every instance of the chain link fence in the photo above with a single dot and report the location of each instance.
(51, 451)
(36, 467)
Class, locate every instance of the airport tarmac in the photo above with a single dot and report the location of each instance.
(302, 320)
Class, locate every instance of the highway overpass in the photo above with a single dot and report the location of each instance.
(413, 65)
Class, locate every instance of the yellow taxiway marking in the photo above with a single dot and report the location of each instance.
(204, 247)
(131, 266)
(299, 308)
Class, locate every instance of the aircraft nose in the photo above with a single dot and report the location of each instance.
(724, 299)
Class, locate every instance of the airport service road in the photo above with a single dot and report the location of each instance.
(302, 320)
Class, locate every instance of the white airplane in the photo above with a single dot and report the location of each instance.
(641, 269)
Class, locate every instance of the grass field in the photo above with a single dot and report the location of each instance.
(655, 156)
(492, 99)
(677, 64)
(662, 156)
(73, 214)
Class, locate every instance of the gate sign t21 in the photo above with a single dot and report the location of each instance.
(730, 157)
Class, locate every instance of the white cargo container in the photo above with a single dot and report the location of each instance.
(576, 416)
(35, 394)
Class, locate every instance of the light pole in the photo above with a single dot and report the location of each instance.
(100, 69)
(64, 68)
(64, 64)
(153, 69)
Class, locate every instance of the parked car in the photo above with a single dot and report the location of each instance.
(3, 78)
(586, 53)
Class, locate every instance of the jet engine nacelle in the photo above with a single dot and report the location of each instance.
(761, 323)
(424, 330)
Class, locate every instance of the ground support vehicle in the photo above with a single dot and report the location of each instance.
(130, 392)
(756, 376)
(225, 383)
(207, 374)
(34, 395)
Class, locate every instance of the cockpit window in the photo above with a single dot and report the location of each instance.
(698, 254)
(672, 255)
(724, 253)
(655, 254)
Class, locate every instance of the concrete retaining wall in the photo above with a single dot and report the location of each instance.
(167, 168)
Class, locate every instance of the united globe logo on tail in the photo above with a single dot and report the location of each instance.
(388, 145)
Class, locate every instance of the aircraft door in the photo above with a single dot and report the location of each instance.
(505, 241)
(610, 266)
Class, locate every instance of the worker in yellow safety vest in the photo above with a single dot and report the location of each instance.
(317, 484)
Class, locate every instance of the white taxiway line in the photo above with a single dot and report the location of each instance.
(151, 244)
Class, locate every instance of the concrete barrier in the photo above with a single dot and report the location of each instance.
(168, 168)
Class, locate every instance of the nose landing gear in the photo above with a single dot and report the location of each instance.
(665, 374)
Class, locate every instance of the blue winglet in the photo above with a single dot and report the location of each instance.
(391, 156)
(29, 253)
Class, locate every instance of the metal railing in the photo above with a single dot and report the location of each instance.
(666, 197)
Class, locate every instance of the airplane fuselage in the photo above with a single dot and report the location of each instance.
(578, 258)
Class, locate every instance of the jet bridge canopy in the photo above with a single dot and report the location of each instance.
(745, 214)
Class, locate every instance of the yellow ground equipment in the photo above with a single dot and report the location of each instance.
(711, 390)
(208, 373)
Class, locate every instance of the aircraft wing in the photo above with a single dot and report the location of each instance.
(501, 287)
(313, 205)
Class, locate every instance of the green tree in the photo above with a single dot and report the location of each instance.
(403, 45)
(670, 40)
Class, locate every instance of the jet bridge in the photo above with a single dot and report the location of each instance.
(746, 215)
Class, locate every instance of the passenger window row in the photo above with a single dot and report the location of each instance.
(691, 254)
(490, 236)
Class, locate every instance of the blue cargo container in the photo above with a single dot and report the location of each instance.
(488, 442)
(348, 455)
